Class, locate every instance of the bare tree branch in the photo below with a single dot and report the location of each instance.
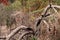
(25, 33)
(54, 9)
(56, 6)
(43, 12)
(14, 32)
(46, 9)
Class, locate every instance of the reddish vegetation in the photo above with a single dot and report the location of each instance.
(5, 2)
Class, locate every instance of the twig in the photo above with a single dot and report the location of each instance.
(36, 11)
(46, 23)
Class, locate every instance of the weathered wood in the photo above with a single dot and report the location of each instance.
(56, 6)
(24, 34)
(14, 32)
